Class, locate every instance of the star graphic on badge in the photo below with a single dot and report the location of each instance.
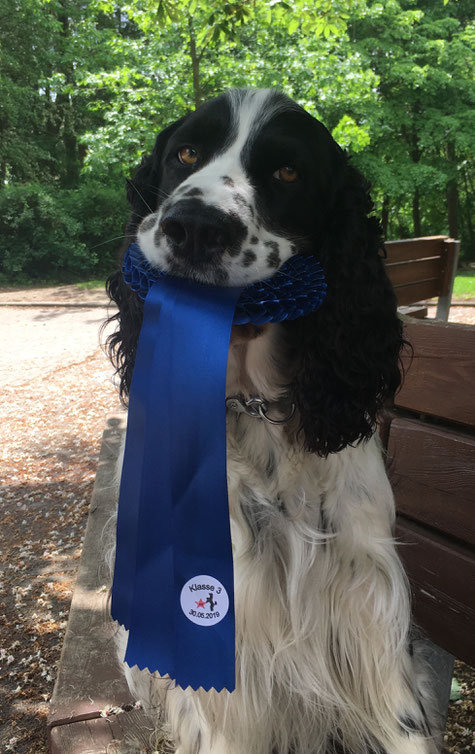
(200, 603)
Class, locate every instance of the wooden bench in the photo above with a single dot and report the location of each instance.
(431, 464)
(420, 269)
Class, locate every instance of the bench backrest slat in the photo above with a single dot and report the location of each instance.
(440, 379)
(432, 472)
(407, 249)
(417, 291)
(442, 575)
(416, 271)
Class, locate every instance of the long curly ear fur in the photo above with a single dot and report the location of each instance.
(143, 196)
(347, 352)
(121, 346)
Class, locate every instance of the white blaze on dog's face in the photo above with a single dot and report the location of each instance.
(242, 184)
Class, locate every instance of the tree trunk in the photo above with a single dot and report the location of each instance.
(195, 64)
(71, 172)
(70, 169)
(416, 154)
(118, 15)
(452, 193)
(385, 216)
(466, 217)
(416, 214)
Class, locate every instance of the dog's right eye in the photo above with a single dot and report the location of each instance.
(188, 155)
(286, 174)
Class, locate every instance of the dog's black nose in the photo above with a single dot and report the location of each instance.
(198, 232)
(190, 233)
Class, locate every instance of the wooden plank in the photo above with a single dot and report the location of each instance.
(421, 268)
(89, 677)
(74, 738)
(416, 271)
(445, 623)
(413, 292)
(88, 658)
(443, 577)
(118, 734)
(437, 563)
(451, 253)
(419, 311)
(452, 249)
(414, 248)
(440, 381)
(432, 472)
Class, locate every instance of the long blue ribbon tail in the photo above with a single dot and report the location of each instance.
(173, 520)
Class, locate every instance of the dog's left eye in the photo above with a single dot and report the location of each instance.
(188, 155)
(286, 174)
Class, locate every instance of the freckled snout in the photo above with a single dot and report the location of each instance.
(200, 234)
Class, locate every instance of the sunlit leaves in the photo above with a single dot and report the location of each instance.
(293, 25)
(351, 135)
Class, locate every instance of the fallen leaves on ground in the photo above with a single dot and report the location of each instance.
(460, 728)
(50, 439)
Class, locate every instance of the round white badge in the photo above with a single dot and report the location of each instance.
(204, 600)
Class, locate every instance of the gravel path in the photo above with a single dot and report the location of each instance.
(43, 340)
(57, 390)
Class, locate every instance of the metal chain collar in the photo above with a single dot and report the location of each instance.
(257, 408)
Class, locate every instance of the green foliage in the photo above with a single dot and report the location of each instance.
(49, 234)
(349, 134)
(86, 87)
(101, 212)
(422, 130)
(39, 235)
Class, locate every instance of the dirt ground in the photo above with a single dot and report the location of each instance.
(57, 389)
(65, 294)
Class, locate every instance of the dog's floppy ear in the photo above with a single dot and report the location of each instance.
(347, 352)
(142, 188)
(121, 345)
(143, 196)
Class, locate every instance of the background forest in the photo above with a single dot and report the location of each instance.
(85, 87)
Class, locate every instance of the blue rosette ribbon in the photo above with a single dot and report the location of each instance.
(173, 575)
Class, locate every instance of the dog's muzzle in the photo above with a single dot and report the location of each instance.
(200, 234)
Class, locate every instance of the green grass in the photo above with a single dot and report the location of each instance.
(85, 285)
(89, 285)
(464, 285)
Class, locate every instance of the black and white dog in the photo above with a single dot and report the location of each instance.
(324, 661)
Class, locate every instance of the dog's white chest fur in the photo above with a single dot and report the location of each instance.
(322, 610)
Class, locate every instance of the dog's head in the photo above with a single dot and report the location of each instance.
(233, 190)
